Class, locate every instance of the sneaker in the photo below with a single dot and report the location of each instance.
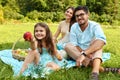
(109, 69)
(94, 76)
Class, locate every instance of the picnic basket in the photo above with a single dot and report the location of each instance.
(19, 53)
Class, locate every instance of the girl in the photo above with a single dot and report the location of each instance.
(43, 50)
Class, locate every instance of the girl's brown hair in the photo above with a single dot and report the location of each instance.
(48, 38)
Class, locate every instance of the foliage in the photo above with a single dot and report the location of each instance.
(105, 18)
(10, 14)
(94, 16)
(34, 15)
(1, 15)
(54, 9)
(58, 16)
(44, 16)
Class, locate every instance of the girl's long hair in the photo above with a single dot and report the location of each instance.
(48, 39)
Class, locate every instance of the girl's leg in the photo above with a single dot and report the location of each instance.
(53, 66)
(29, 59)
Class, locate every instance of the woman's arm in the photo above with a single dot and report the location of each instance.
(57, 33)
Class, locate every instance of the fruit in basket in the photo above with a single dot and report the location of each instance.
(21, 52)
(27, 36)
(18, 51)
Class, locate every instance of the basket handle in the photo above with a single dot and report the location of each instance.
(15, 43)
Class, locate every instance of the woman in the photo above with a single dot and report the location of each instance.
(63, 28)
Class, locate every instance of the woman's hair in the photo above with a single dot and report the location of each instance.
(72, 21)
(72, 8)
(48, 38)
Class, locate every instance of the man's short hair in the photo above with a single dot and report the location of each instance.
(84, 8)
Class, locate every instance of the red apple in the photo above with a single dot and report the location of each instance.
(27, 36)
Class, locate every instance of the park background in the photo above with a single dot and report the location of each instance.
(19, 16)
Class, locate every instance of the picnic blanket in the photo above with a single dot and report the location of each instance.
(6, 57)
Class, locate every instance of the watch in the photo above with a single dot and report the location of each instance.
(83, 53)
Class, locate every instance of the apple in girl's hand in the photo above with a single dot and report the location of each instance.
(27, 36)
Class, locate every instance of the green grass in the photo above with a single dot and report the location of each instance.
(10, 33)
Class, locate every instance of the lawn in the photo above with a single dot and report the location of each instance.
(10, 33)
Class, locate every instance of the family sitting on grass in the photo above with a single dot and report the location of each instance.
(81, 38)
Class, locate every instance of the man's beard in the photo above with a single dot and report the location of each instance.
(82, 24)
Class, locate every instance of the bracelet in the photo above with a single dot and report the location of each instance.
(83, 53)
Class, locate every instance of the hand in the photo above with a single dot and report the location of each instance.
(55, 41)
(79, 60)
(90, 56)
(59, 57)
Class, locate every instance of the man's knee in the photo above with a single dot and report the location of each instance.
(97, 54)
(68, 46)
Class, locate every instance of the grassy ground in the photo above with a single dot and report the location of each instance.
(9, 33)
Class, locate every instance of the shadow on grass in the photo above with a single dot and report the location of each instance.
(5, 71)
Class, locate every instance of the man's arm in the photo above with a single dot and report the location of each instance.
(79, 48)
(99, 42)
(96, 45)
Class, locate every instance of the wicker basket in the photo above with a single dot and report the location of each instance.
(15, 53)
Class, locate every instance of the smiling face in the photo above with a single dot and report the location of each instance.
(68, 13)
(81, 17)
(40, 32)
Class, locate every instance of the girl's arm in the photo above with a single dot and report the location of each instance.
(57, 55)
(29, 37)
(33, 44)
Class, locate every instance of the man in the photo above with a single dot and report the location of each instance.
(86, 41)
